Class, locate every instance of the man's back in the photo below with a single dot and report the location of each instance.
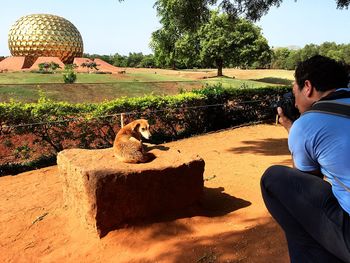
(321, 141)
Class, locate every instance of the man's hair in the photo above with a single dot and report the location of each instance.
(324, 73)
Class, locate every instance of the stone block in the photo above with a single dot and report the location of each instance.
(107, 194)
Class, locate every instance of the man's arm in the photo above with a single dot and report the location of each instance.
(286, 123)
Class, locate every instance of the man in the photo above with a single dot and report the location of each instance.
(311, 201)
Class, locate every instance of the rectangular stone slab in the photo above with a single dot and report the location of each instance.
(107, 194)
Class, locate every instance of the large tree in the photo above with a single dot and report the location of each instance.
(238, 42)
(163, 44)
(189, 14)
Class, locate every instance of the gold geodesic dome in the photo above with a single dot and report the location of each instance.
(43, 35)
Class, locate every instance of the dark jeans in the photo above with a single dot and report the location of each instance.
(316, 227)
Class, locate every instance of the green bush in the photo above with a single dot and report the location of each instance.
(69, 76)
(54, 126)
(48, 67)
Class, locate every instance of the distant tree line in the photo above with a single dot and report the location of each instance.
(284, 58)
(133, 60)
(276, 58)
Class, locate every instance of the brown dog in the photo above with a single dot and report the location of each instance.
(128, 146)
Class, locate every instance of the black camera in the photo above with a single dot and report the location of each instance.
(287, 103)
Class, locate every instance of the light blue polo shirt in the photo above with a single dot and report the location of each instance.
(320, 141)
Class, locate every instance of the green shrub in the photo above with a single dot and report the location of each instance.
(48, 67)
(69, 76)
(54, 126)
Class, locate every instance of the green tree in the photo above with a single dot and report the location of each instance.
(188, 50)
(308, 51)
(120, 60)
(345, 49)
(330, 49)
(147, 61)
(292, 60)
(280, 56)
(189, 15)
(134, 59)
(163, 44)
(236, 42)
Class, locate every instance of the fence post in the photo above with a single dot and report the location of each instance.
(122, 120)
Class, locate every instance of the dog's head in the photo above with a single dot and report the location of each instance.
(141, 126)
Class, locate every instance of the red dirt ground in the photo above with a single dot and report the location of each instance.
(232, 225)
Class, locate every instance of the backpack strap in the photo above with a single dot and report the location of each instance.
(331, 107)
(328, 104)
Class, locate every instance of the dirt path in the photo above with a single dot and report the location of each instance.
(233, 225)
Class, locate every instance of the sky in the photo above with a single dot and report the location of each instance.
(109, 27)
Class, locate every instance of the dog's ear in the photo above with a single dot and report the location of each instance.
(136, 126)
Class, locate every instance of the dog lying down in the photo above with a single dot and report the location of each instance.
(128, 145)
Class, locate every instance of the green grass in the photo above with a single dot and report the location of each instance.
(156, 77)
(78, 93)
(237, 83)
(20, 86)
(37, 78)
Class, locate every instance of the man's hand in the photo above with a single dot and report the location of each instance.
(286, 123)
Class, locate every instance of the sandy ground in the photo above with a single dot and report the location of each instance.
(35, 226)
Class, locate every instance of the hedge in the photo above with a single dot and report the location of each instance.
(33, 132)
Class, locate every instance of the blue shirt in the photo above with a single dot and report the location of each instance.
(321, 141)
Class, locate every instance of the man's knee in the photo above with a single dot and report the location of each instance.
(273, 174)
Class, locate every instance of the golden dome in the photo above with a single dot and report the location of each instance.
(43, 35)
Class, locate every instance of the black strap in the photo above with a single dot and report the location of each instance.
(339, 94)
(331, 107)
(328, 105)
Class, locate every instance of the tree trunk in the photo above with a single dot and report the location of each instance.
(219, 64)
(173, 60)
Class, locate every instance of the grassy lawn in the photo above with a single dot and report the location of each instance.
(78, 93)
(141, 76)
(27, 87)
(242, 83)
(37, 78)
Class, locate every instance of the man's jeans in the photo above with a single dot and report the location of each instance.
(316, 227)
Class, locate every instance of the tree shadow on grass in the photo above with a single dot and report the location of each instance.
(279, 81)
(271, 147)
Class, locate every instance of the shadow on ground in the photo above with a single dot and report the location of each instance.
(214, 203)
(280, 81)
(271, 147)
(259, 243)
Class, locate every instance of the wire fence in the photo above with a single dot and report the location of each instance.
(124, 114)
(31, 145)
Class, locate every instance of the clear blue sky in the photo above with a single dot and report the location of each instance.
(109, 27)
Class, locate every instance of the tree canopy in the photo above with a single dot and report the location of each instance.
(218, 42)
(238, 43)
(190, 14)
